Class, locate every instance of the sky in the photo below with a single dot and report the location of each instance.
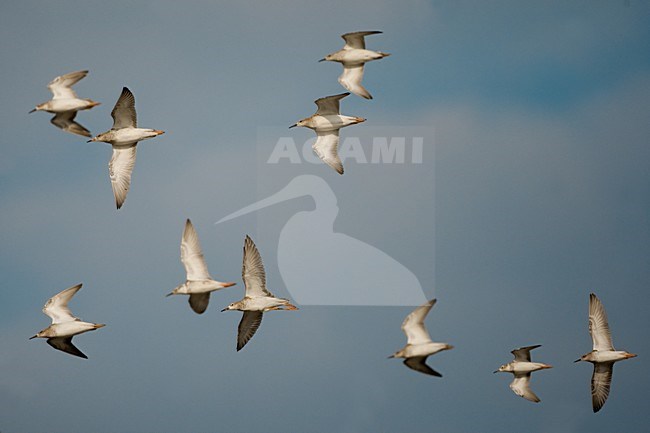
(533, 192)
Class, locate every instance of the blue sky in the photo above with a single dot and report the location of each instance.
(540, 196)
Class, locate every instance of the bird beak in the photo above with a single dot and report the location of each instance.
(31, 338)
(293, 126)
(577, 360)
(495, 371)
(225, 309)
(169, 294)
(92, 139)
(630, 355)
(322, 60)
(32, 111)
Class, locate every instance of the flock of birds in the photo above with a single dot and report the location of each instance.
(326, 122)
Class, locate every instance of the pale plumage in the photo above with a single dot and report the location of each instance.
(353, 56)
(326, 122)
(64, 325)
(257, 298)
(603, 356)
(418, 341)
(521, 368)
(124, 136)
(65, 103)
(199, 283)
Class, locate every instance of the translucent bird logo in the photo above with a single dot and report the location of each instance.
(322, 267)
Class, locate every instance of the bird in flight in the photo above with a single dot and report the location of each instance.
(124, 136)
(603, 356)
(257, 299)
(199, 283)
(64, 325)
(521, 368)
(65, 103)
(353, 56)
(326, 122)
(419, 345)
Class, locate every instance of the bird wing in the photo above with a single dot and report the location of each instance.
(413, 325)
(600, 384)
(57, 306)
(520, 385)
(252, 271)
(120, 168)
(64, 344)
(523, 353)
(192, 255)
(123, 113)
(61, 85)
(417, 363)
(355, 39)
(327, 149)
(351, 80)
(65, 121)
(329, 104)
(598, 326)
(248, 325)
(199, 302)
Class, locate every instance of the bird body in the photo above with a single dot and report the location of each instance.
(123, 137)
(353, 56)
(419, 344)
(64, 325)
(126, 137)
(199, 283)
(67, 104)
(257, 298)
(603, 356)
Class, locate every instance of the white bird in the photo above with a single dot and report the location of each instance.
(199, 283)
(257, 298)
(64, 325)
(65, 103)
(419, 345)
(326, 122)
(603, 356)
(353, 56)
(521, 368)
(124, 136)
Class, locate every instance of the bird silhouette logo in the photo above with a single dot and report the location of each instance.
(322, 267)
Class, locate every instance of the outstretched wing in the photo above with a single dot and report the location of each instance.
(253, 272)
(61, 85)
(199, 302)
(248, 325)
(64, 344)
(520, 385)
(65, 121)
(123, 113)
(192, 255)
(601, 381)
(329, 104)
(523, 353)
(327, 149)
(57, 306)
(120, 168)
(413, 325)
(355, 40)
(598, 326)
(418, 363)
(351, 80)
